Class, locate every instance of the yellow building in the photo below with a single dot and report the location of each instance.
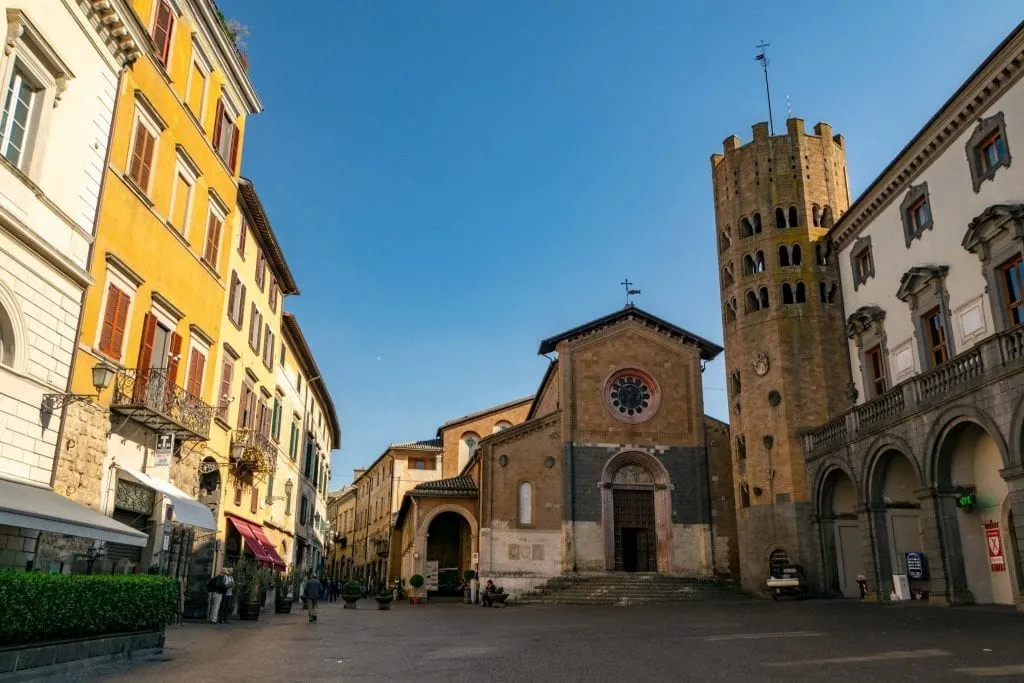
(161, 266)
(341, 512)
(248, 419)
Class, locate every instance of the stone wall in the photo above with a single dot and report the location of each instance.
(17, 548)
(80, 462)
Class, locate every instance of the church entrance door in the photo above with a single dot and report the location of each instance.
(635, 540)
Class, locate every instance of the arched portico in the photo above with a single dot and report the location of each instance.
(841, 539)
(636, 513)
(464, 549)
(892, 482)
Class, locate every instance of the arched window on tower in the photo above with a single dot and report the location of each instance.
(730, 311)
(821, 253)
(749, 267)
(833, 293)
(826, 217)
(759, 262)
(780, 219)
(816, 215)
(763, 297)
(752, 304)
(783, 255)
(793, 222)
(727, 275)
(757, 223)
(787, 293)
(746, 229)
(724, 241)
(795, 255)
(801, 293)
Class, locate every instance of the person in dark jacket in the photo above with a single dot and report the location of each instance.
(312, 591)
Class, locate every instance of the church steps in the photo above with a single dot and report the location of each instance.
(630, 589)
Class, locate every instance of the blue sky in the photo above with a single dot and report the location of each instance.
(454, 180)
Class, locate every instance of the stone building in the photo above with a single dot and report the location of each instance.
(923, 476)
(614, 468)
(775, 199)
(59, 70)
(341, 513)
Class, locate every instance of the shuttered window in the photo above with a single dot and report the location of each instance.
(226, 136)
(275, 426)
(226, 375)
(213, 228)
(255, 328)
(141, 161)
(115, 317)
(163, 26)
(196, 367)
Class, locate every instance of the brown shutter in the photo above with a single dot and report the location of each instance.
(146, 346)
(242, 406)
(225, 389)
(138, 151)
(218, 124)
(149, 142)
(175, 359)
(233, 161)
(233, 297)
(243, 234)
(120, 321)
(196, 367)
(212, 239)
(162, 30)
(109, 315)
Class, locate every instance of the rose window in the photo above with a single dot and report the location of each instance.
(631, 395)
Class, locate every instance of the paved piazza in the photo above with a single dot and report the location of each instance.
(756, 641)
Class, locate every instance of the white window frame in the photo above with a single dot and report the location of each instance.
(185, 168)
(123, 281)
(199, 59)
(149, 119)
(151, 24)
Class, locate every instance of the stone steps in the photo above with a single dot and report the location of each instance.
(631, 589)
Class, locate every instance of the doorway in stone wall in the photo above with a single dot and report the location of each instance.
(635, 539)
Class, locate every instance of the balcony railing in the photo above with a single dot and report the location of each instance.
(253, 450)
(995, 357)
(152, 398)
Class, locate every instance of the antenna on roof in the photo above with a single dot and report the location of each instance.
(629, 292)
(762, 57)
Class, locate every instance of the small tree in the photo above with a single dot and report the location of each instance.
(416, 582)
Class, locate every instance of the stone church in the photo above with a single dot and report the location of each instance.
(614, 468)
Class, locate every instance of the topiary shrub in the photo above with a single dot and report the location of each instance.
(352, 588)
(37, 606)
(416, 581)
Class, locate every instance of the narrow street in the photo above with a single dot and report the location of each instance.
(756, 641)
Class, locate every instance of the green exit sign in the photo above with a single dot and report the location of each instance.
(966, 501)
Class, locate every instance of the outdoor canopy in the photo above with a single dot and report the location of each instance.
(34, 507)
(258, 543)
(187, 510)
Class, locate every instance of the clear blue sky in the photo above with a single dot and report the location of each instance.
(454, 180)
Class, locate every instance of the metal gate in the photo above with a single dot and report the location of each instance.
(635, 537)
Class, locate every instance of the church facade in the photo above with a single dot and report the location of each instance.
(614, 468)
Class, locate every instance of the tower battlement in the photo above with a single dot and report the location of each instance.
(795, 129)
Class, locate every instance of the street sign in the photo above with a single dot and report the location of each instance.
(164, 449)
(431, 577)
(996, 559)
(916, 567)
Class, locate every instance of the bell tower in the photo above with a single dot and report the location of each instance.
(785, 347)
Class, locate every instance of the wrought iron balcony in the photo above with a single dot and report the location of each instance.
(253, 451)
(996, 357)
(151, 398)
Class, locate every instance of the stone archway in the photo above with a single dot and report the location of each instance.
(636, 513)
(841, 543)
(421, 543)
(893, 484)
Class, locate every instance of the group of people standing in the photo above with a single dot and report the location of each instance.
(221, 589)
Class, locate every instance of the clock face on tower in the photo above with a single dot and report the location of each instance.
(631, 395)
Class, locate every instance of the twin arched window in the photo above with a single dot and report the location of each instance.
(791, 295)
(789, 255)
(753, 263)
(756, 301)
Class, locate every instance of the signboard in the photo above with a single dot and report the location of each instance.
(994, 541)
(431, 575)
(776, 561)
(916, 567)
(476, 559)
(164, 449)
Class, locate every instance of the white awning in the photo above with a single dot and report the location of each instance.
(187, 509)
(35, 507)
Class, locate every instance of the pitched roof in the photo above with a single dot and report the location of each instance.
(552, 366)
(453, 486)
(481, 413)
(425, 445)
(708, 350)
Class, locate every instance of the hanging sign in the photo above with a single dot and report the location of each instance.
(994, 541)
(164, 449)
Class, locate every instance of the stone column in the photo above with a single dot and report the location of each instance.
(824, 537)
(1014, 477)
(939, 516)
(868, 545)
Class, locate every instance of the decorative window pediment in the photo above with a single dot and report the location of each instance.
(863, 319)
(21, 29)
(992, 224)
(988, 149)
(917, 279)
(916, 213)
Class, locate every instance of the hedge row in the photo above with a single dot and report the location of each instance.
(37, 606)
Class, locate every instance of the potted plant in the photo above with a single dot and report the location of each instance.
(468, 576)
(351, 592)
(248, 576)
(416, 582)
(384, 599)
(282, 587)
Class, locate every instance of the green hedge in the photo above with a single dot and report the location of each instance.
(37, 606)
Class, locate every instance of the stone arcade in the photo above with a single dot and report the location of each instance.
(616, 468)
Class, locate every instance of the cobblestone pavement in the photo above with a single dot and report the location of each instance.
(756, 641)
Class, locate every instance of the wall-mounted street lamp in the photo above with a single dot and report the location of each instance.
(102, 375)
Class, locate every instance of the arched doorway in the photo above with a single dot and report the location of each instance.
(896, 515)
(842, 548)
(969, 460)
(449, 544)
(636, 509)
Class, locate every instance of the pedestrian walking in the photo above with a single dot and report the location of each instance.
(215, 587)
(226, 604)
(335, 590)
(312, 591)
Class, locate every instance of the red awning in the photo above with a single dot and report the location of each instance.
(252, 534)
(268, 547)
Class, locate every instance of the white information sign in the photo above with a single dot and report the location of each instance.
(430, 582)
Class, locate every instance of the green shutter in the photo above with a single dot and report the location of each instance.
(270, 490)
(275, 427)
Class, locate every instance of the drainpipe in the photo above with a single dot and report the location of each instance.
(711, 505)
(88, 268)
